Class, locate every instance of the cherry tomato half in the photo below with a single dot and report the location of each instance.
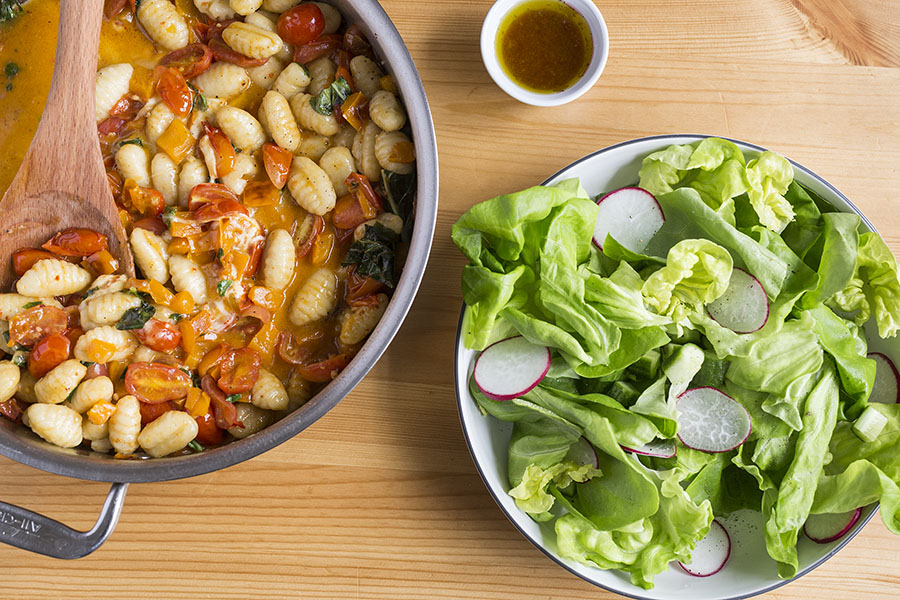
(277, 161)
(301, 24)
(151, 412)
(222, 52)
(154, 382)
(190, 61)
(224, 412)
(174, 90)
(32, 324)
(240, 370)
(325, 370)
(25, 258)
(159, 335)
(48, 353)
(208, 433)
(76, 242)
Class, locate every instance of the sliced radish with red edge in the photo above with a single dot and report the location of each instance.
(711, 421)
(511, 368)
(826, 528)
(631, 215)
(711, 552)
(887, 381)
(744, 307)
(656, 448)
(583, 453)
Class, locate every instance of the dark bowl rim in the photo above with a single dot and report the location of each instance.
(462, 391)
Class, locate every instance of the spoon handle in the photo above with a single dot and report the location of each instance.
(69, 119)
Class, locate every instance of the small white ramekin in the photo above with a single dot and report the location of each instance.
(599, 34)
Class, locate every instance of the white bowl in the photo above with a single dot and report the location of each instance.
(599, 35)
(749, 571)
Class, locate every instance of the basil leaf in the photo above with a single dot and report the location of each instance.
(222, 286)
(233, 398)
(136, 317)
(176, 317)
(373, 255)
(89, 292)
(19, 360)
(168, 215)
(331, 96)
(88, 363)
(401, 196)
(9, 10)
(199, 102)
(195, 446)
(134, 141)
(32, 304)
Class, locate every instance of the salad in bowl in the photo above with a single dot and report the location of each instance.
(682, 351)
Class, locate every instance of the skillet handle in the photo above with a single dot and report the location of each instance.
(31, 531)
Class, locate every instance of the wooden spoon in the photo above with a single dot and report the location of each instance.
(62, 181)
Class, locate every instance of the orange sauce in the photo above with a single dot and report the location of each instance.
(544, 46)
(29, 42)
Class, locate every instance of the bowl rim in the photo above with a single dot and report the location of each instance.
(599, 34)
(462, 391)
(20, 445)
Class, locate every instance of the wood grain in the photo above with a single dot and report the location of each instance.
(62, 181)
(380, 498)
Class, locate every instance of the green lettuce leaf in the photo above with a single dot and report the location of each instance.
(696, 273)
(838, 261)
(876, 268)
(769, 177)
(531, 494)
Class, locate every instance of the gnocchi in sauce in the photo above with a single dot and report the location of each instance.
(258, 156)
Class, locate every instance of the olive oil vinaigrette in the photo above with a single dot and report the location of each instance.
(544, 46)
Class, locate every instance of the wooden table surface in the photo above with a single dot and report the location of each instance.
(380, 499)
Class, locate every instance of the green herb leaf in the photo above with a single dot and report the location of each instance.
(222, 286)
(220, 253)
(401, 196)
(87, 363)
(331, 96)
(200, 102)
(9, 87)
(11, 70)
(233, 398)
(32, 304)
(134, 141)
(89, 292)
(374, 254)
(168, 215)
(195, 377)
(19, 360)
(10, 9)
(176, 317)
(195, 446)
(136, 317)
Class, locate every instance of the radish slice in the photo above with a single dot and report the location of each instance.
(744, 307)
(711, 553)
(886, 389)
(632, 215)
(583, 453)
(826, 528)
(657, 448)
(511, 368)
(711, 421)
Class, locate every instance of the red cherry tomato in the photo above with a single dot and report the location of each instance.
(154, 224)
(223, 411)
(48, 353)
(151, 412)
(190, 61)
(301, 24)
(76, 242)
(318, 226)
(277, 161)
(208, 433)
(240, 370)
(159, 335)
(32, 324)
(223, 150)
(25, 258)
(154, 383)
(174, 90)
(222, 52)
(317, 48)
(97, 370)
(325, 370)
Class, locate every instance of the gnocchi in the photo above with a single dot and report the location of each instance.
(310, 186)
